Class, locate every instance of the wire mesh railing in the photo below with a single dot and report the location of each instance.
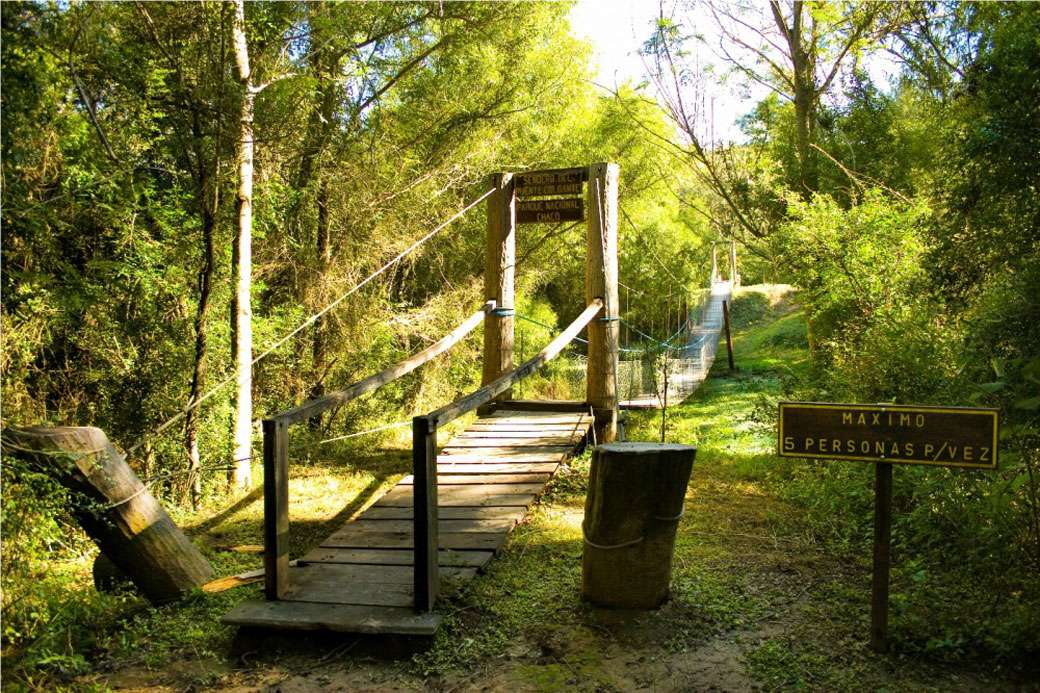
(657, 373)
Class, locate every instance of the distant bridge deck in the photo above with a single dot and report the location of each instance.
(688, 365)
(360, 579)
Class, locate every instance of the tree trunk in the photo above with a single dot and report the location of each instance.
(324, 257)
(198, 375)
(115, 508)
(242, 258)
(804, 69)
(632, 511)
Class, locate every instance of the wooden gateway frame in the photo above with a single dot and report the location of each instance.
(322, 596)
(601, 276)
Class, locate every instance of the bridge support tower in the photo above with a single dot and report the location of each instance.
(499, 279)
(601, 281)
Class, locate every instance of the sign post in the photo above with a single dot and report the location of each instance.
(882, 556)
(888, 434)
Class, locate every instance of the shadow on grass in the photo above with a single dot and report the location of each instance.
(218, 519)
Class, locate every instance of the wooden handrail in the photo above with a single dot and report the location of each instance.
(276, 450)
(450, 412)
(426, 544)
(320, 404)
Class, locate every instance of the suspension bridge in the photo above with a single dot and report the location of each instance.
(383, 571)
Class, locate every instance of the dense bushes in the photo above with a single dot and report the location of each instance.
(882, 332)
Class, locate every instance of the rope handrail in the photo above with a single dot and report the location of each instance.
(321, 404)
(485, 394)
(306, 323)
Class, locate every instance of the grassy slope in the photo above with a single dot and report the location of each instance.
(756, 601)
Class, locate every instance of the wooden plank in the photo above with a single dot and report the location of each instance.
(449, 467)
(483, 425)
(450, 479)
(568, 437)
(347, 574)
(563, 414)
(537, 406)
(560, 443)
(305, 588)
(457, 456)
(339, 618)
(358, 594)
(527, 425)
(546, 419)
(488, 448)
(458, 541)
(402, 557)
(508, 494)
(461, 492)
(449, 513)
(366, 526)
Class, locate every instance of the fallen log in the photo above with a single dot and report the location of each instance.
(114, 508)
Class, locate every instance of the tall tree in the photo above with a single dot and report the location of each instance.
(242, 259)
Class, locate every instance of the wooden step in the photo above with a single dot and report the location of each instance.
(400, 557)
(334, 617)
(445, 479)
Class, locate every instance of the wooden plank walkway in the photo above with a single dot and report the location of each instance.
(360, 578)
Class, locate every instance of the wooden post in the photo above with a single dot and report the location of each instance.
(632, 510)
(882, 556)
(276, 507)
(499, 274)
(424, 490)
(729, 340)
(601, 281)
(114, 508)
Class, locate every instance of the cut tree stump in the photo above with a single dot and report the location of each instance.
(632, 510)
(114, 508)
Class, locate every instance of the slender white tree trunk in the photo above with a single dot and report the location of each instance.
(243, 343)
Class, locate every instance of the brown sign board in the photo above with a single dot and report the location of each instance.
(560, 181)
(550, 211)
(941, 436)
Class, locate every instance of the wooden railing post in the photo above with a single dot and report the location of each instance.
(276, 507)
(424, 490)
(499, 275)
(601, 281)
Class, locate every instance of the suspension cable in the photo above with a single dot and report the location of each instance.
(306, 323)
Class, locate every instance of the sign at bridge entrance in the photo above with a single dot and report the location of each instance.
(542, 184)
(943, 436)
(561, 181)
(886, 434)
(550, 211)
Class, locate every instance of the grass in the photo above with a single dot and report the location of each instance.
(760, 598)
